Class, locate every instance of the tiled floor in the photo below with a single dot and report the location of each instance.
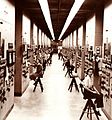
(55, 103)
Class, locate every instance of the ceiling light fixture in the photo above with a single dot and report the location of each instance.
(76, 6)
(46, 13)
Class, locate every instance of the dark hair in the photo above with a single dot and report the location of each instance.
(88, 70)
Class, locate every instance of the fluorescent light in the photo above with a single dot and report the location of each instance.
(46, 12)
(76, 6)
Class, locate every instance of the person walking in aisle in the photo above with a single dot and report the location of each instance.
(38, 74)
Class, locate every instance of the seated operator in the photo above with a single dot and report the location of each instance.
(90, 91)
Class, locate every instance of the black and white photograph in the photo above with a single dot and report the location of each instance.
(55, 59)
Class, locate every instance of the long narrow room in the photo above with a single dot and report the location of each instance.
(55, 59)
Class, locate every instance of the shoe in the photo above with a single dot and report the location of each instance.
(33, 90)
(71, 90)
(33, 83)
(98, 113)
(42, 90)
(95, 102)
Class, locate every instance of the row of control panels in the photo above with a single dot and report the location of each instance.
(106, 87)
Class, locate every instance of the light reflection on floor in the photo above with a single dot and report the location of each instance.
(55, 103)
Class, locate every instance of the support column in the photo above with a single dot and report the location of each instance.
(66, 43)
(76, 50)
(98, 41)
(31, 44)
(99, 27)
(77, 39)
(41, 40)
(18, 47)
(83, 51)
(69, 41)
(73, 40)
(38, 37)
(45, 41)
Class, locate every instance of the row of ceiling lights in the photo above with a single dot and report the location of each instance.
(46, 12)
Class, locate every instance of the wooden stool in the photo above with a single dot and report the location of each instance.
(89, 109)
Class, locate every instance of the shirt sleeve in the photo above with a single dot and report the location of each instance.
(88, 82)
(85, 81)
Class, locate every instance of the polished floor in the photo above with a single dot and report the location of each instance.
(55, 102)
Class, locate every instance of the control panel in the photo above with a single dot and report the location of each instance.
(106, 86)
(7, 82)
(3, 98)
(25, 66)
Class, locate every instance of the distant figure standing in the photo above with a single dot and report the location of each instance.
(67, 64)
(39, 74)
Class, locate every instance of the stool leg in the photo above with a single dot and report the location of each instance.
(90, 113)
(95, 110)
(76, 86)
(84, 110)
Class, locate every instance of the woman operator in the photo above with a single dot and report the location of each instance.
(90, 91)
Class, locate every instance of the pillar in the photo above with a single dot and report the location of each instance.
(69, 41)
(73, 40)
(18, 47)
(98, 41)
(45, 41)
(83, 51)
(31, 44)
(41, 40)
(38, 37)
(99, 26)
(76, 50)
